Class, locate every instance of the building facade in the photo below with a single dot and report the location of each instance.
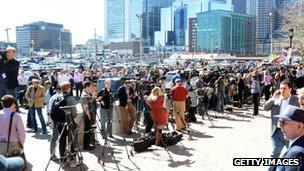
(44, 36)
(117, 22)
(182, 11)
(150, 17)
(239, 6)
(222, 31)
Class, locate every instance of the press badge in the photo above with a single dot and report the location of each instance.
(3, 75)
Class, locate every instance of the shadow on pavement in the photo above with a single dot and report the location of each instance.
(198, 134)
(42, 136)
(175, 164)
(82, 167)
(180, 150)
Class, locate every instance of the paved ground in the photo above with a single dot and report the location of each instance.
(233, 135)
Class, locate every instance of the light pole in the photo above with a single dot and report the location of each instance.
(270, 34)
(290, 34)
(59, 39)
(95, 41)
(140, 17)
(7, 34)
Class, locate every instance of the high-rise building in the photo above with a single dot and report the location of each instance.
(117, 21)
(239, 6)
(251, 7)
(225, 32)
(150, 11)
(43, 36)
(264, 22)
(182, 11)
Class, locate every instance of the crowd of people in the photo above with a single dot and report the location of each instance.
(143, 93)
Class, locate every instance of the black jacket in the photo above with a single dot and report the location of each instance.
(123, 97)
(11, 69)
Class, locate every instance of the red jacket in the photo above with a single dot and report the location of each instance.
(179, 93)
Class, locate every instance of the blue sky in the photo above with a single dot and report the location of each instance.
(79, 16)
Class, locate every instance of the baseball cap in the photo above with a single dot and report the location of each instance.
(12, 163)
(178, 80)
(10, 48)
(292, 113)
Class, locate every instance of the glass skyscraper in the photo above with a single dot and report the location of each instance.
(116, 20)
(226, 32)
(43, 35)
(151, 18)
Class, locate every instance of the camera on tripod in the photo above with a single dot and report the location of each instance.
(70, 113)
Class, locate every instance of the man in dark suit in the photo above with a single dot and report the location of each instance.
(291, 122)
(277, 103)
(127, 100)
(9, 68)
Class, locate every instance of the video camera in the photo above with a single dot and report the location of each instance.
(70, 113)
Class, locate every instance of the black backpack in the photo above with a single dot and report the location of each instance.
(57, 114)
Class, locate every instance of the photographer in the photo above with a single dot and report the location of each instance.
(9, 68)
(87, 102)
(60, 119)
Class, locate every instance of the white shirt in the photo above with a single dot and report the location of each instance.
(22, 80)
(282, 102)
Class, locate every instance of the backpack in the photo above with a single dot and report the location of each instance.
(57, 114)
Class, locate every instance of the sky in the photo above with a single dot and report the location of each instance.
(81, 17)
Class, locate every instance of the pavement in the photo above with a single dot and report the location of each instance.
(235, 134)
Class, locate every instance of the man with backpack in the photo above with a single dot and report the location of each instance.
(58, 117)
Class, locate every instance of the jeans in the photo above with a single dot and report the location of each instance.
(33, 118)
(106, 115)
(63, 140)
(11, 163)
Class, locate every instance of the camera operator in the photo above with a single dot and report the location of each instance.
(106, 98)
(87, 102)
(60, 120)
(9, 68)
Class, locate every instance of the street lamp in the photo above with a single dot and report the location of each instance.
(140, 17)
(290, 35)
(270, 34)
(7, 34)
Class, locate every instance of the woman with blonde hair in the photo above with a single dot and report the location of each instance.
(158, 112)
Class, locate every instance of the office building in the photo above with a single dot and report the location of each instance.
(222, 31)
(239, 6)
(44, 36)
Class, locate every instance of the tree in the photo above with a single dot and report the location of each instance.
(293, 18)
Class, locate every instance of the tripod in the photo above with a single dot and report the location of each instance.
(106, 142)
(70, 127)
(204, 105)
